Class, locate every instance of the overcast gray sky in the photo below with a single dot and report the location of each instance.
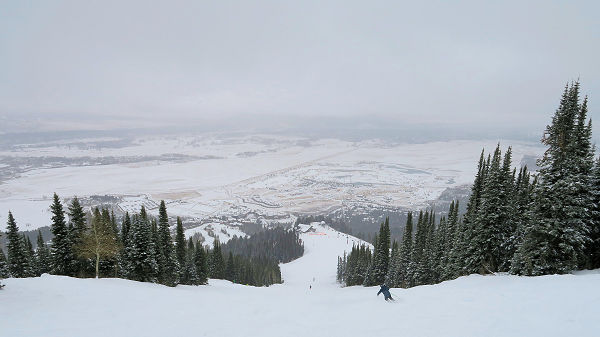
(489, 63)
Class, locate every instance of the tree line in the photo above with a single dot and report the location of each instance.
(278, 244)
(140, 248)
(546, 222)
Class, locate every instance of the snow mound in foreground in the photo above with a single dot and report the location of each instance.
(503, 305)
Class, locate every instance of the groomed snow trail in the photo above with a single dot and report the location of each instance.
(566, 305)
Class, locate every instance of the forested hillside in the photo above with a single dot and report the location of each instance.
(540, 223)
(140, 247)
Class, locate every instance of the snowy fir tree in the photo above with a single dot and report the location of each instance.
(29, 257)
(378, 269)
(123, 258)
(17, 256)
(405, 274)
(398, 273)
(168, 268)
(61, 248)
(42, 256)
(418, 256)
(4, 273)
(217, 264)
(555, 239)
(491, 226)
(440, 238)
(593, 247)
(450, 244)
(190, 274)
(201, 264)
(180, 250)
(142, 265)
(77, 227)
(230, 268)
(357, 265)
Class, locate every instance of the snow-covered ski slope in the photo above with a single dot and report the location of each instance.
(567, 305)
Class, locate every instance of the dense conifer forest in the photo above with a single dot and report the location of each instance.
(521, 222)
(279, 244)
(142, 248)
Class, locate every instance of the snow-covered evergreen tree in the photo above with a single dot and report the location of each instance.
(217, 264)
(429, 253)
(77, 227)
(4, 273)
(451, 238)
(158, 256)
(180, 250)
(441, 236)
(492, 226)
(201, 263)
(61, 249)
(555, 239)
(522, 214)
(189, 274)
(391, 279)
(29, 257)
(357, 264)
(418, 255)
(379, 267)
(168, 267)
(405, 273)
(123, 258)
(142, 264)
(465, 230)
(42, 255)
(17, 257)
(230, 268)
(384, 253)
(341, 268)
(593, 247)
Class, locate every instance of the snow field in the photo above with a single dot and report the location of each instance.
(281, 176)
(223, 232)
(503, 305)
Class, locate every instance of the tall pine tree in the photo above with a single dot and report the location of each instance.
(4, 273)
(379, 267)
(217, 264)
(593, 247)
(168, 268)
(555, 239)
(61, 249)
(201, 263)
(77, 220)
(42, 255)
(180, 249)
(142, 265)
(17, 257)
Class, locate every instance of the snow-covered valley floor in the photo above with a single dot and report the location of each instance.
(250, 178)
(567, 305)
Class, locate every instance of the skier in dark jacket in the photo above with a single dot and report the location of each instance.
(386, 292)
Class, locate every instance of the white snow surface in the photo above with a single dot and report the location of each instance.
(259, 174)
(503, 305)
(218, 230)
